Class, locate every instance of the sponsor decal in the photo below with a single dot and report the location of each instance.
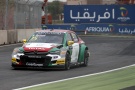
(124, 11)
(124, 15)
(39, 47)
(126, 31)
(34, 56)
(34, 48)
(109, 28)
(44, 33)
(60, 62)
(33, 64)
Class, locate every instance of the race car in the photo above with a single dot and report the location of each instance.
(51, 48)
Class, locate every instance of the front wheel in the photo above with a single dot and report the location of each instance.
(67, 61)
(86, 58)
(13, 67)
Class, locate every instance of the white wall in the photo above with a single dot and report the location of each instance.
(21, 34)
(3, 36)
(13, 36)
(25, 33)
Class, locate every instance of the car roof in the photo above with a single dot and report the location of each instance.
(56, 30)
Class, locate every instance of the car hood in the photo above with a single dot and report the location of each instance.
(42, 47)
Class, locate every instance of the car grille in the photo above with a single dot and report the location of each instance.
(35, 53)
(38, 58)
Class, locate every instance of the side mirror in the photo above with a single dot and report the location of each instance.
(70, 43)
(24, 41)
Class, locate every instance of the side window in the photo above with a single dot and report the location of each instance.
(75, 38)
(69, 38)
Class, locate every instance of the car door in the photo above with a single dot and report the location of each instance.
(75, 48)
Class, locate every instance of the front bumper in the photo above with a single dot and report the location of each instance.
(37, 61)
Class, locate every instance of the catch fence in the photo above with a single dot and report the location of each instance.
(20, 14)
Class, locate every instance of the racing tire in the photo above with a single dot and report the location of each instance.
(13, 67)
(67, 61)
(86, 58)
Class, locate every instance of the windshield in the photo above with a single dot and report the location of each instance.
(47, 37)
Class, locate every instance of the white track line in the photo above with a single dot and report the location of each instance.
(75, 77)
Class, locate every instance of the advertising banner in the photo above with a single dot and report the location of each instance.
(98, 28)
(99, 14)
(110, 28)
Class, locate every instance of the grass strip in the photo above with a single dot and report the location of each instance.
(115, 80)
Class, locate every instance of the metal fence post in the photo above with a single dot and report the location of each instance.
(24, 20)
(39, 17)
(6, 14)
(15, 16)
(33, 16)
(46, 12)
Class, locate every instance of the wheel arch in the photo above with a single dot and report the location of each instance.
(83, 47)
(68, 52)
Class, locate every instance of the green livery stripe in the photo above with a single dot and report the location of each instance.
(81, 53)
(54, 49)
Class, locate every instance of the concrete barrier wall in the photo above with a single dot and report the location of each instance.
(21, 34)
(3, 37)
(11, 36)
(29, 32)
(14, 36)
(25, 33)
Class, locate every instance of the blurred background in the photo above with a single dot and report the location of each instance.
(28, 14)
(16, 14)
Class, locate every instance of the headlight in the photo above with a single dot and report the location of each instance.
(63, 53)
(15, 51)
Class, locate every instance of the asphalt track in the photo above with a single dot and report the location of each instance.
(107, 53)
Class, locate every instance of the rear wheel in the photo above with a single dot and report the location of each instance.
(86, 58)
(67, 61)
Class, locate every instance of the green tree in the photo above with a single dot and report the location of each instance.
(55, 9)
